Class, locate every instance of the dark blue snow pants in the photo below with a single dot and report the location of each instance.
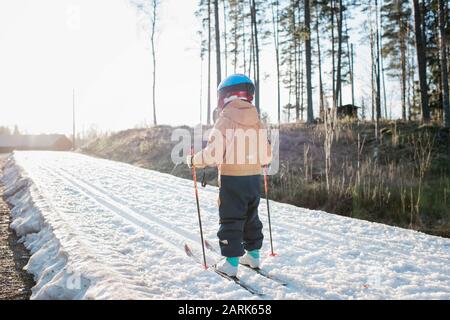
(240, 227)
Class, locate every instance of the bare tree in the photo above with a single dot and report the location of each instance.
(149, 9)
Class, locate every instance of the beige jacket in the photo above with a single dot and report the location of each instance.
(244, 146)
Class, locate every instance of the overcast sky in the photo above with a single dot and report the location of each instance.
(97, 47)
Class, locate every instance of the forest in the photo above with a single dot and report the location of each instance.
(313, 51)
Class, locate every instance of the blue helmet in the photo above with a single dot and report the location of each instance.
(236, 82)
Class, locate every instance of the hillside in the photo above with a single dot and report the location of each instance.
(402, 178)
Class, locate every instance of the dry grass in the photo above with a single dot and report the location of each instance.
(401, 178)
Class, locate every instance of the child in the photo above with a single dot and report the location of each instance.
(239, 164)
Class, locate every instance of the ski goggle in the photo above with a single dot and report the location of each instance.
(223, 100)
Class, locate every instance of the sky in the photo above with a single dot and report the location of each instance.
(100, 51)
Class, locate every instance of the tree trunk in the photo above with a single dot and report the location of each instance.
(275, 22)
(421, 61)
(339, 63)
(256, 46)
(225, 37)
(251, 53)
(383, 80)
(302, 82)
(333, 54)
(309, 115)
(380, 32)
(352, 79)
(301, 87)
(209, 65)
(244, 43)
(444, 73)
(321, 93)
(372, 63)
(296, 66)
(382, 77)
(350, 61)
(218, 53)
(403, 84)
(152, 40)
(410, 68)
(236, 40)
(402, 61)
(377, 68)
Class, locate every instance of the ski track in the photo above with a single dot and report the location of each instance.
(325, 234)
(122, 228)
(357, 240)
(151, 222)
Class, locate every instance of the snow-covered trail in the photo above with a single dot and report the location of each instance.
(110, 230)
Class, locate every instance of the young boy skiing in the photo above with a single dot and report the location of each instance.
(239, 151)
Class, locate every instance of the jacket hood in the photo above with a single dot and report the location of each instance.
(241, 112)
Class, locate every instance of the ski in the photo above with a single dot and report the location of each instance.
(259, 271)
(210, 247)
(265, 274)
(236, 280)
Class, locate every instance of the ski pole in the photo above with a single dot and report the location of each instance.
(268, 211)
(194, 175)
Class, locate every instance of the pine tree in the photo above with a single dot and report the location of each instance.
(319, 62)
(289, 36)
(395, 17)
(310, 114)
(434, 67)
(419, 26)
(443, 57)
(276, 39)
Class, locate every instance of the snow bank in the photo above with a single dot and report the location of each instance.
(55, 277)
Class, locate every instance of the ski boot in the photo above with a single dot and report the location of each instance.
(229, 266)
(251, 259)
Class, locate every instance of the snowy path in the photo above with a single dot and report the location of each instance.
(111, 230)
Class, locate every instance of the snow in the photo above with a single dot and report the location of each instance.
(99, 229)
